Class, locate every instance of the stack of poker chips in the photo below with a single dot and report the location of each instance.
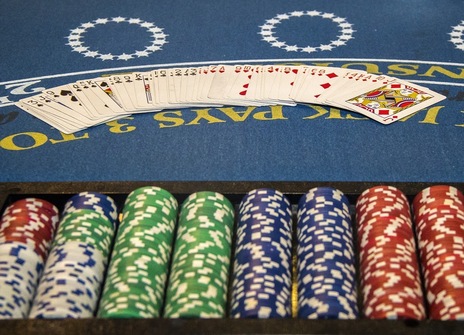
(198, 280)
(27, 228)
(138, 270)
(439, 218)
(389, 268)
(74, 272)
(262, 276)
(326, 277)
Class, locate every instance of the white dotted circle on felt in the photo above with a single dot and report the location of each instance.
(346, 31)
(457, 35)
(76, 39)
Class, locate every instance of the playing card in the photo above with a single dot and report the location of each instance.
(174, 84)
(255, 90)
(238, 92)
(353, 81)
(99, 97)
(223, 79)
(57, 114)
(128, 83)
(64, 95)
(205, 80)
(53, 120)
(116, 84)
(78, 92)
(317, 81)
(391, 102)
(283, 84)
(53, 113)
(165, 88)
(197, 84)
(260, 86)
(142, 90)
(159, 87)
(85, 103)
(187, 85)
(269, 77)
(105, 86)
(299, 80)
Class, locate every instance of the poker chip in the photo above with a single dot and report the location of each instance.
(74, 272)
(27, 228)
(389, 270)
(136, 277)
(52, 268)
(262, 274)
(439, 221)
(96, 202)
(198, 278)
(326, 279)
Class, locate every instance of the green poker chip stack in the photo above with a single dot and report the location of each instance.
(86, 226)
(199, 274)
(137, 274)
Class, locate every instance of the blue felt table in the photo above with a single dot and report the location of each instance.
(418, 40)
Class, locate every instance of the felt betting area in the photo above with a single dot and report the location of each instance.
(418, 41)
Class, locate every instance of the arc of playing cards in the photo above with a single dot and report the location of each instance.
(77, 106)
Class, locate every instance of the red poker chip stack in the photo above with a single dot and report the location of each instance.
(27, 229)
(30, 221)
(389, 268)
(439, 219)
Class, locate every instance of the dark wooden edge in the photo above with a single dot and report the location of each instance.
(234, 190)
(59, 192)
(227, 326)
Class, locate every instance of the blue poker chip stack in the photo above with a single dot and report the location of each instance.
(74, 272)
(262, 276)
(93, 201)
(326, 277)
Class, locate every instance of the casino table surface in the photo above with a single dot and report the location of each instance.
(418, 41)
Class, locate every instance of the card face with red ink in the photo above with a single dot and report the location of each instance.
(315, 81)
(85, 103)
(391, 102)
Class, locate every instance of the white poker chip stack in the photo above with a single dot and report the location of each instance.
(74, 273)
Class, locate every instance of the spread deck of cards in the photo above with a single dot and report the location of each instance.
(85, 103)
